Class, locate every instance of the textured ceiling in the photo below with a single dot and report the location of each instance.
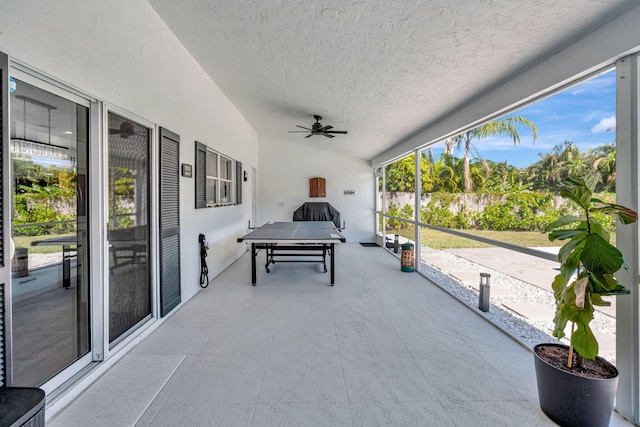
(381, 69)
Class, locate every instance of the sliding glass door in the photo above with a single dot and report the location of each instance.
(50, 286)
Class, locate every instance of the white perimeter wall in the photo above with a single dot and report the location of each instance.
(121, 52)
(283, 183)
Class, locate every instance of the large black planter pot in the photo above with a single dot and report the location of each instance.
(571, 400)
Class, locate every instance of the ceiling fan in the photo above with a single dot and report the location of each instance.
(318, 129)
(125, 130)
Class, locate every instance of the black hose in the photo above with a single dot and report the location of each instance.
(204, 270)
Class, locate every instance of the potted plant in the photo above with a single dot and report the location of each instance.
(576, 387)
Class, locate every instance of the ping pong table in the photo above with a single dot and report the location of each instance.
(68, 253)
(284, 240)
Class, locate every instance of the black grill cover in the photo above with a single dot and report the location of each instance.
(317, 211)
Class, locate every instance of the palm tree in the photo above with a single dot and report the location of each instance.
(547, 172)
(444, 175)
(604, 161)
(501, 176)
(555, 167)
(448, 146)
(431, 159)
(507, 126)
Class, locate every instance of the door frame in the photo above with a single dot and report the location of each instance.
(48, 84)
(5, 222)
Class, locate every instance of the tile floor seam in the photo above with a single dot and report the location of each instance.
(481, 354)
(435, 390)
(266, 364)
(466, 341)
(501, 328)
(407, 350)
(427, 307)
(344, 378)
(173, 384)
(386, 317)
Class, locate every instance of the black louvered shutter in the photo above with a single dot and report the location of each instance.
(169, 221)
(239, 178)
(201, 175)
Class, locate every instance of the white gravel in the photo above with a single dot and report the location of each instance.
(529, 332)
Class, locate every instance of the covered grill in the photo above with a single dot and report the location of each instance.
(317, 211)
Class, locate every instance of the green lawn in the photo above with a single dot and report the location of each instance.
(25, 242)
(439, 240)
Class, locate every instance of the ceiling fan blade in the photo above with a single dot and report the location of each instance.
(318, 129)
(125, 130)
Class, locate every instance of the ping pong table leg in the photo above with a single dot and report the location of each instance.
(253, 264)
(66, 267)
(332, 255)
(325, 248)
(269, 257)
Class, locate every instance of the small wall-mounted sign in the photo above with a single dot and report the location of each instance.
(187, 172)
(349, 192)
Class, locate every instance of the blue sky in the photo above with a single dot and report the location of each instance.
(584, 114)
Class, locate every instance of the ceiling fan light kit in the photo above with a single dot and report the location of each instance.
(318, 129)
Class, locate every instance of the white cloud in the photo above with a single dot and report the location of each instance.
(604, 125)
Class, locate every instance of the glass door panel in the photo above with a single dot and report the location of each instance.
(128, 225)
(50, 288)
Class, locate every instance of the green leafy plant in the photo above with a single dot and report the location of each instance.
(587, 263)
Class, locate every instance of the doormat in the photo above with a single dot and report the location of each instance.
(122, 395)
(369, 244)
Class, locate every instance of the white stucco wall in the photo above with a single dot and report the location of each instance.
(284, 172)
(121, 52)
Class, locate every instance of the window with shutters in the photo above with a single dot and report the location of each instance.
(217, 176)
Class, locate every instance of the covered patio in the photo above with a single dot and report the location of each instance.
(381, 347)
(216, 94)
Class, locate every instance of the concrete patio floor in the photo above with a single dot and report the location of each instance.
(381, 347)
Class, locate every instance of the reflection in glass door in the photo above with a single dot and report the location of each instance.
(50, 288)
(128, 225)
